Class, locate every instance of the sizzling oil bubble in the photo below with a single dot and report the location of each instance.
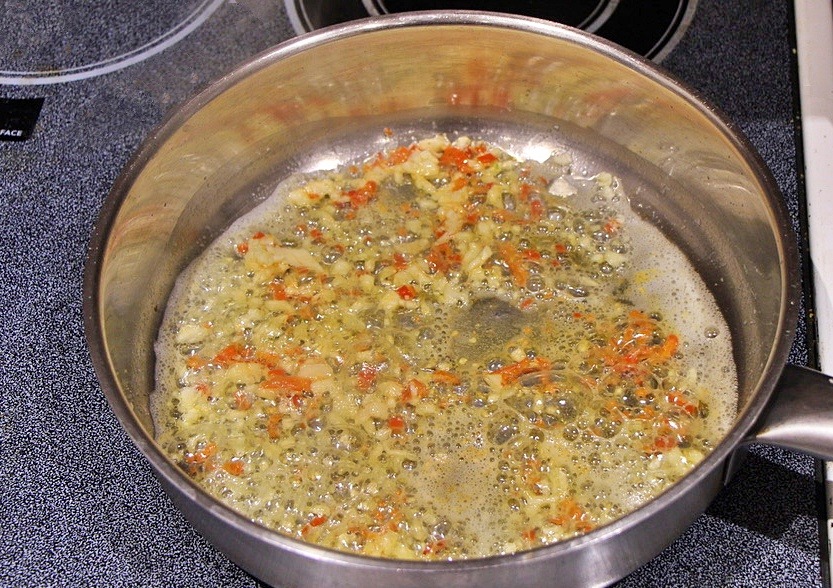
(430, 355)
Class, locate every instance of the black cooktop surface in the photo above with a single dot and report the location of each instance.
(649, 27)
(78, 503)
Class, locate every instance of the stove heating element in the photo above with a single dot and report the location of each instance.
(651, 29)
(33, 58)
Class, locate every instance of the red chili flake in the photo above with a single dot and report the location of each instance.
(612, 226)
(513, 371)
(406, 292)
(234, 467)
(400, 155)
(482, 187)
(434, 547)
(195, 362)
(682, 402)
(278, 291)
(201, 460)
(443, 258)
(459, 183)
(270, 361)
(400, 261)
(396, 425)
(445, 377)
(664, 443)
(366, 378)
(531, 254)
(513, 260)
(414, 388)
(316, 521)
(242, 400)
(235, 352)
(454, 157)
(363, 194)
(273, 425)
(287, 384)
(536, 208)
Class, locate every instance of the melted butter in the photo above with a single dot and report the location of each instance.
(433, 356)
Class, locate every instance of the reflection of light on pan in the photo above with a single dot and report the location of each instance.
(651, 28)
(179, 31)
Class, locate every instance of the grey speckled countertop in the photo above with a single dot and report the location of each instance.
(79, 505)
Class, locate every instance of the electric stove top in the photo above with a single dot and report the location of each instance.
(651, 28)
(82, 84)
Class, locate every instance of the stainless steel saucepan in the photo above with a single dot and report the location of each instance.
(529, 86)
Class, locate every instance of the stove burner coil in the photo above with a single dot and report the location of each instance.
(651, 28)
(66, 45)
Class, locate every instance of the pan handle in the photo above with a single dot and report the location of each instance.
(800, 415)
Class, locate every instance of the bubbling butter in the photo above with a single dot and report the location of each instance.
(442, 353)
